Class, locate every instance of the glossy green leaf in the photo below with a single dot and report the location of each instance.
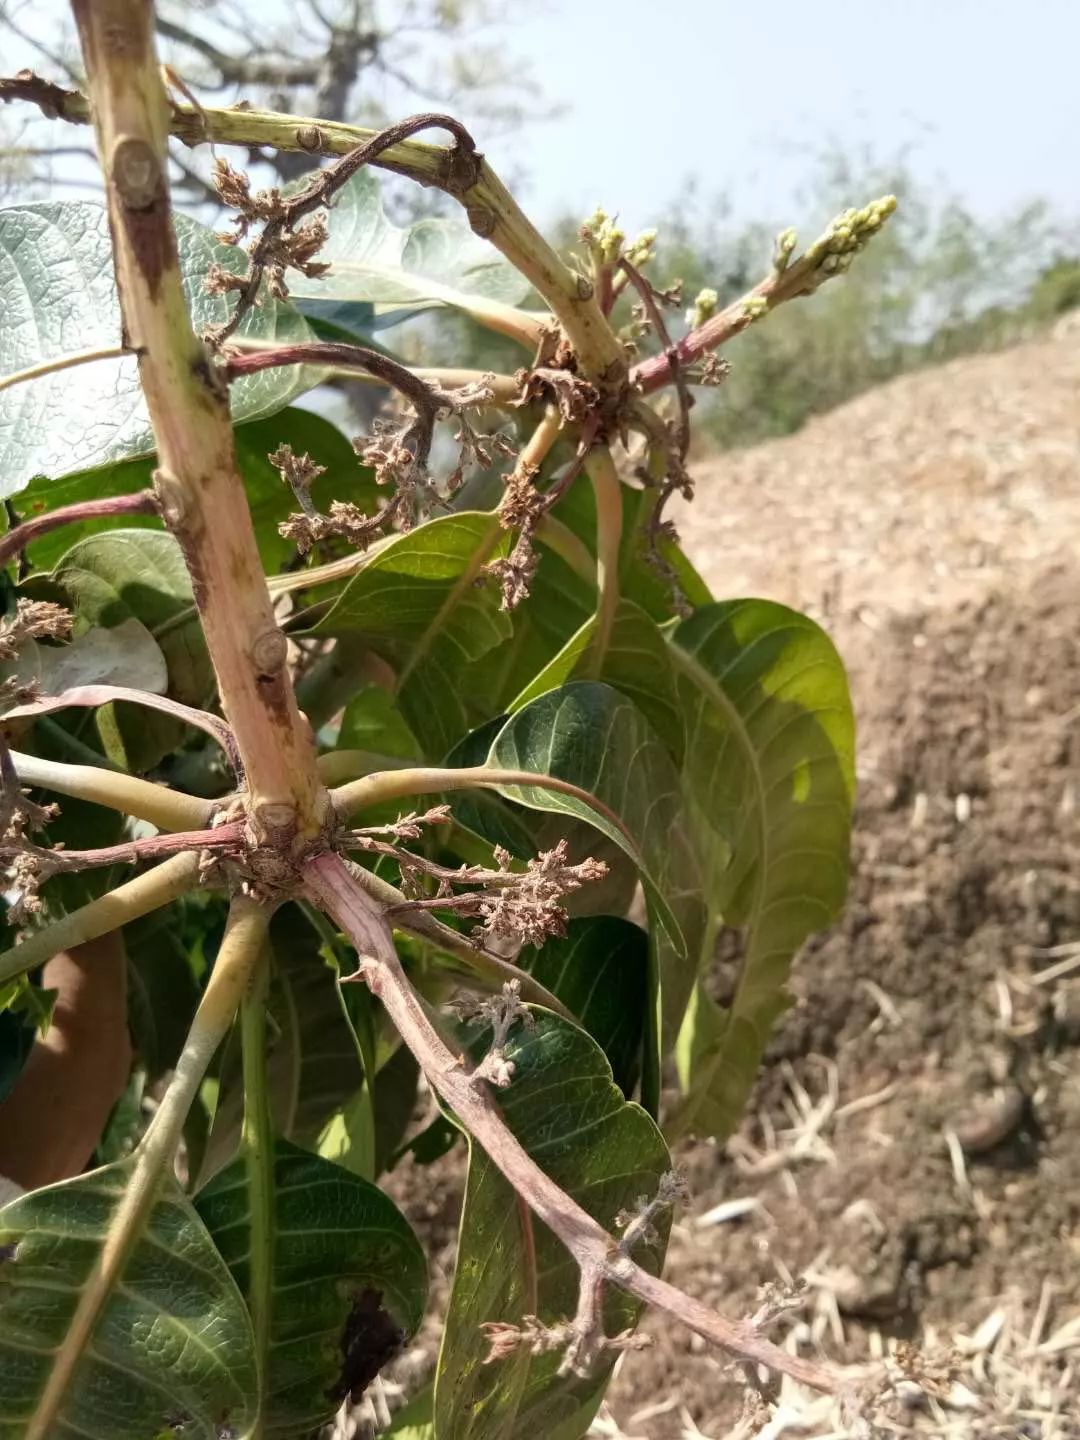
(599, 970)
(424, 605)
(372, 721)
(349, 1282)
(172, 1345)
(635, 660)
(572, 1119)
(58, 297)
(433, 262)
(769, 789)
(270, 500)
(591, 735)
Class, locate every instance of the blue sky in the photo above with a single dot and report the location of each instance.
(738, 95)
(737, 92)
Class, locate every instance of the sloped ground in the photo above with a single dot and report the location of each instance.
(913, 1151)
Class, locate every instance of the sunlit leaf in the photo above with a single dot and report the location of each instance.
(58, 297)
(572, 1119)
(769, 787)
(433, 262)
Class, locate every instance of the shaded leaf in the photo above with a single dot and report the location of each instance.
(125, 654)
(172, 1343)
(349, 1281)
(591, 735)
(635, 660)
(569, 1115)
(424, 605)
(58, 297)
(269, 498)
(433, 262)
(599, 970)
(769, 789)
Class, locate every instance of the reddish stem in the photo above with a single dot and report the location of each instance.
(153, 847)
(334, 890)
(17, 539)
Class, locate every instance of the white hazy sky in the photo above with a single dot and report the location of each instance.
(987, 92)
(738, 94)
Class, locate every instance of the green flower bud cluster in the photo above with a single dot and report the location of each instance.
(755, 306)
(603, 237)
(704, 305)
(848, 234)
(640, 251)
(783, 249)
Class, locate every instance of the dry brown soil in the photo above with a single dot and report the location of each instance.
(934, 526)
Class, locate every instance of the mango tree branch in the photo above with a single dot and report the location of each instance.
(20, 536)
(830, 255)
(128, 902)
(491, 970)
(506, 389)
(597, 1254)
(167, 809)
(198, 484)
(433, 780)
(240, 951)
(491, 209)
(229, 836)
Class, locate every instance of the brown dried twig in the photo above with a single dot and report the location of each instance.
(292, 233)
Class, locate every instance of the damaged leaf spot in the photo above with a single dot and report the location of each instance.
(369, 1340)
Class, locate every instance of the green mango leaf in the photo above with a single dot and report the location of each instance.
(572, 1119)
(600, 971)
(117, 574)
(372, 721)
(559, 603)
(639, 575)
(422, 603)
(126, 654)
(58, 297)
(434, 262)
(270, 500)
(769, 790)
(314, 1065)
(591, 735)
(349, 1282)
(634, 660)
(122, 574)
(172, 1345)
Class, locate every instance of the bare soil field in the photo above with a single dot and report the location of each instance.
(909, 1170)
(913, 1151)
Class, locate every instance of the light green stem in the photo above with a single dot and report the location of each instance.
(167, 809)
(241, 947)
(258, 1149)
(150, 891)
(609, 517)
(431, 780)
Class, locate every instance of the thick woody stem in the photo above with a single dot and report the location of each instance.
(597, 1254)
(198, 485)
